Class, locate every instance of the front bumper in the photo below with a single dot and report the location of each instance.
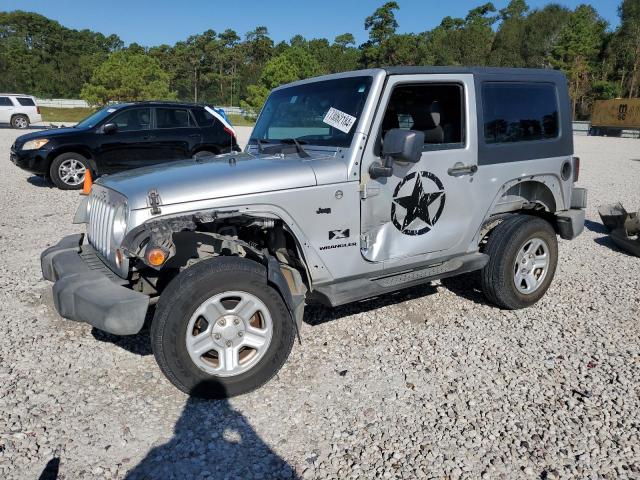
(34, 161)
(85, 290)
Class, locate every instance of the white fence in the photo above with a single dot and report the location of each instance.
(61, 103)
(77, 103)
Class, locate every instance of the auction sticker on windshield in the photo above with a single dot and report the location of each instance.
(340, 120)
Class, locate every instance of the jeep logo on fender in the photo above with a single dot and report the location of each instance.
(418, 201)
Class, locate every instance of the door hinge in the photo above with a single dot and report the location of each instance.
(365, 242)
(367, 190)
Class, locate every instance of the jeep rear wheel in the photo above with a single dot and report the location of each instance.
(220, 330)
(523, 254)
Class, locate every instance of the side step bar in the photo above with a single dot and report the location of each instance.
(340, 293)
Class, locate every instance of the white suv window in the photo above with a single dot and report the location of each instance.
(5, 102)
(26, 101)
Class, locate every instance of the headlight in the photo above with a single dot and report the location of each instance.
(120, 219)
(35, 144)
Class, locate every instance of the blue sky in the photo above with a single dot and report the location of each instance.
(149, 22)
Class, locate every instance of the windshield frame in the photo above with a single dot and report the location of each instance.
(99, 115)
(260, 131)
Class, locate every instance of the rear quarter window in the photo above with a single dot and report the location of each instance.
(519, 112)
(26, 102)
(204, 118)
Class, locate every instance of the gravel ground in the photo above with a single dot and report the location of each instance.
(431, 382)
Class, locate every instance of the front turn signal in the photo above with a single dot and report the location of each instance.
(156, 257)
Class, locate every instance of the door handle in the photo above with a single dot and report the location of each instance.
(194, 135)
(461, 169)
(149, 137)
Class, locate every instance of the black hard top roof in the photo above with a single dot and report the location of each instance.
(473, 70)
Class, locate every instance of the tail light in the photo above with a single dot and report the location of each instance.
(576, 169)
(38, 109)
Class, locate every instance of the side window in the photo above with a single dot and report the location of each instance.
(435, 109)
(173, 118)
(519, 112)
(204, 118)
(133, 119)
(5, 102)
(26, 102)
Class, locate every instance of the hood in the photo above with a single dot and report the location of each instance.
(48, 133)
(214, 177)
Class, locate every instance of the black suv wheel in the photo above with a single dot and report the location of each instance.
(67, 171)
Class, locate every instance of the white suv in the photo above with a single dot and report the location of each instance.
(19, 110)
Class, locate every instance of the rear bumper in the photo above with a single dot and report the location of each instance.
(570, 223)
(85, 290)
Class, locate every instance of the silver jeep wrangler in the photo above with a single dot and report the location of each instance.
(352, 186)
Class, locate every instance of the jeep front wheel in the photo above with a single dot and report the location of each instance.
(220, 330)
(523, 254)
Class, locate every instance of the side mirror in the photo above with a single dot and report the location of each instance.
(110, 128)
(401, 146)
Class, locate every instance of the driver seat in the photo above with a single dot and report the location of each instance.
(429, 123)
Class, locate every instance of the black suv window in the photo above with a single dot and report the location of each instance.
(519, 112)
(435, 109)
(204, 118)
(133, 119)
(173, 118)
(5, 102)
(26, 102)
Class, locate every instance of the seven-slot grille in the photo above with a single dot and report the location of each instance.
(101, 214)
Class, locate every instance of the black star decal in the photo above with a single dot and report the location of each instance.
(417, 205)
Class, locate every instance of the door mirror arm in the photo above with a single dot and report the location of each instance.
(109, 128)
(379, 169)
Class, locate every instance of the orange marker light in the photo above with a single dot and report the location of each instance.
(156, 257)
(88, 182)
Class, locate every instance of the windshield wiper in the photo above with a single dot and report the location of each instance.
(298, 143)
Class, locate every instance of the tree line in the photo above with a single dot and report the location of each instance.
(41, 57)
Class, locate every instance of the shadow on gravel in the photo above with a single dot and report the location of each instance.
(466, 286)
(40, 181)
(607, 242)
(595, 227)
(212, 440)
(319, 314)
(51, 470)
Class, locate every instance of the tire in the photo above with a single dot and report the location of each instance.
(177, 315)
(20, 121)
(513, 288)
(75, 163)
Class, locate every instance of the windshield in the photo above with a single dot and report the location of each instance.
(96, 117)
(318, 113)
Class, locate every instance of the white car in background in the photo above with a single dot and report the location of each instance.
(19, 110)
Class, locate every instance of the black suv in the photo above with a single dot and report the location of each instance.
(120, 137)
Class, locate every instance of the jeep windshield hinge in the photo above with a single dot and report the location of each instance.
(154, 202)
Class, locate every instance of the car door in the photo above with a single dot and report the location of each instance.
(176, 132)
(6, 109)
(130, 145)
(424, 207)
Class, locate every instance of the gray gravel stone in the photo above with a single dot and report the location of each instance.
(456, 388)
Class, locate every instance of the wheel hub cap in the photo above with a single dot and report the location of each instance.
(531, 265)
(229, 333)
